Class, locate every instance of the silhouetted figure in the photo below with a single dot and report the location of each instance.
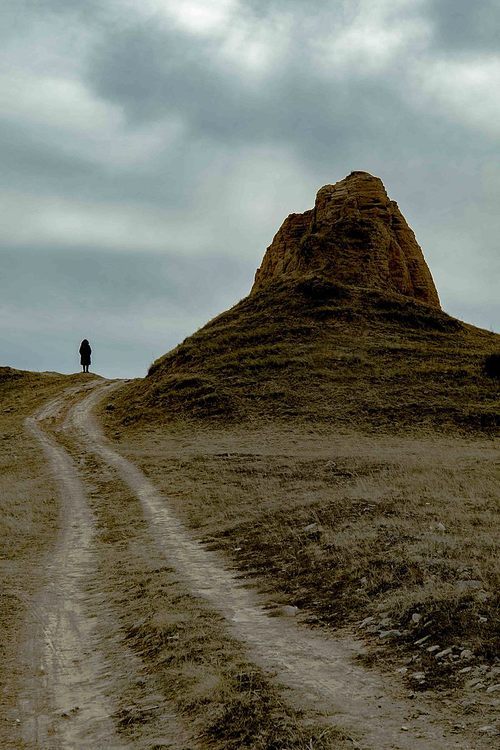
(85, 352)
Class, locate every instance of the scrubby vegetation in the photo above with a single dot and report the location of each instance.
(186, 656)
(317, 433)
(315, 350)
(396, 532)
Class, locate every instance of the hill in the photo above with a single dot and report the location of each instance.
(332, 435)
(343, 325)
(314, 350)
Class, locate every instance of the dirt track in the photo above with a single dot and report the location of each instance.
(66, 701)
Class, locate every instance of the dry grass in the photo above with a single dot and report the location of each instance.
(240, 427)
(332, 354)
(399, 525)
(187, 660)
(28, 514)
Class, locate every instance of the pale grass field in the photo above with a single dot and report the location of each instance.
(400, 521)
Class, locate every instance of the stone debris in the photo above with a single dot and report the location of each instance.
(493, 688)
(288, 610)
(444, 652)
(466, 655)
(480, 676)
(489, 729)
(366, 621)
(420, 676)
(311, 527)
(421, 641)
(390, 634)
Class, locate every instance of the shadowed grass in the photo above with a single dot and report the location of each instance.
(313, 350)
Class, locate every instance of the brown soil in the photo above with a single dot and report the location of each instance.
(355, 235)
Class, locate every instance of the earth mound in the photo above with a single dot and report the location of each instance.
(342, 326)
(354, 235)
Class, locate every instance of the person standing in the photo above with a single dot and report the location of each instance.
(85, 352)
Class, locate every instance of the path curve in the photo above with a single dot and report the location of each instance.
(63, 704)
(320, 670)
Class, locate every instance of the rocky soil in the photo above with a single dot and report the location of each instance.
(354, 235)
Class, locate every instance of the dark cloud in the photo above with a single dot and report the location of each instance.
(465, 25)
(155, 72)
(29, 161)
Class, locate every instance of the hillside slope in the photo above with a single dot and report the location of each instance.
(315, 350)
(343, 325)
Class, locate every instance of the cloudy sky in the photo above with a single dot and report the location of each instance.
(152, 148)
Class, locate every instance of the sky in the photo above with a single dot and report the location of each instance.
(152, 148)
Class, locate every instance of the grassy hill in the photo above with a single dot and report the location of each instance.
(336, 443)
(315, 351)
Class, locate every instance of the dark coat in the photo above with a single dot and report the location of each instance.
(85, 352)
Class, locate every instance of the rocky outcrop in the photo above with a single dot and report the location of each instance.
(355, 235)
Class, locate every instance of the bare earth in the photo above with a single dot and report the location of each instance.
(62, 663)
(71, 690)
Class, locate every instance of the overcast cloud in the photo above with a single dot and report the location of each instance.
(150, 151)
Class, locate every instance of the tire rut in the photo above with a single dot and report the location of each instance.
(320, 670)
(65, 703)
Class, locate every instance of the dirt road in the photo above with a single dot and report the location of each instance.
(68, 700)
(65, 702)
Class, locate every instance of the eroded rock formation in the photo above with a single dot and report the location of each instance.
(355, 235)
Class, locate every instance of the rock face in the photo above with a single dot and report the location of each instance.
(354, 235)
